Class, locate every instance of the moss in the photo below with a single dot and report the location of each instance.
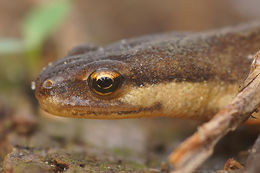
(135, 165)
(103, 167)
(30, 167)
(124, 152)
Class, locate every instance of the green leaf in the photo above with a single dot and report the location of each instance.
(11, 46)
(42, 21)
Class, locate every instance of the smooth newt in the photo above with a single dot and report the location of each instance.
(190, 75)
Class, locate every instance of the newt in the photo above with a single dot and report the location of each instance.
(178, 74)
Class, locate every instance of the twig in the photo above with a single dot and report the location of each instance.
(253, 160)
(231, 164)
(197, 148)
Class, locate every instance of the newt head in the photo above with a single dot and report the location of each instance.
(189, 75)
(87, 88)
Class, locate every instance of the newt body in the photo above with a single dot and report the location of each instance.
(189, 75)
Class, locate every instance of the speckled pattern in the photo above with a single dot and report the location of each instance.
(217, 56)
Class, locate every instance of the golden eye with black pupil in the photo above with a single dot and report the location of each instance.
(105, 81)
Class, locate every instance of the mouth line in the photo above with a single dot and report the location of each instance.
(83, 112)
(156, 106)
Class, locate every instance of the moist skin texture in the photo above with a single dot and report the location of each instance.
(188, 75)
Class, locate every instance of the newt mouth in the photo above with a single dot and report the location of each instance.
(96, 110)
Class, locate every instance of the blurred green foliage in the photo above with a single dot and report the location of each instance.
(42, 21)
(38, 25)
(11, 46)
(20, 58)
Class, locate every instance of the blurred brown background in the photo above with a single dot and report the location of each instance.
(102, 22)
(99, 22)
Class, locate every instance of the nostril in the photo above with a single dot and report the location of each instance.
(48, 84)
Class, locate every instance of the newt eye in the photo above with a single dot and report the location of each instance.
(105, 81)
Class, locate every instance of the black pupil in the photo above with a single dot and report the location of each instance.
(104, 82)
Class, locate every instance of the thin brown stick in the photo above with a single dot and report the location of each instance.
(197, 148)
(253, 160)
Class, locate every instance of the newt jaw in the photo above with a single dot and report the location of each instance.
(88, 105)
(198, 100)
(51, 106)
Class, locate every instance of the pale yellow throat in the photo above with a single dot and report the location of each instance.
(183, 99)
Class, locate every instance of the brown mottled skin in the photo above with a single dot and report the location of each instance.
(218, 56)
